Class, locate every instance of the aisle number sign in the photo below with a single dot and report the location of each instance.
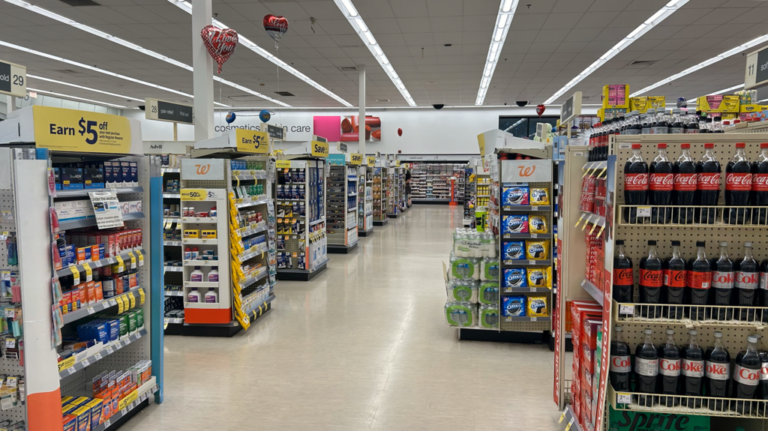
(161, 110)
(356, 158)
(251, 141)
(13, 79)
(319, 149)
(756, 73)
(80, 131)
(371, 161)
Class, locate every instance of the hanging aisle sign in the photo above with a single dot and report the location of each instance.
(571, 108)
(13, 79)
(276, 132)
(81, 131)
(161, 110)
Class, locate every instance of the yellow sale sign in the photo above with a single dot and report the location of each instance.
(250, 141)
(70, 130)
(356, 159)
(371, 161)
(320, 149)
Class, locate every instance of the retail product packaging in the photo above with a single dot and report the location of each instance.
(622, 420)
(537, 224)
(718, 103)
(461, 314)
(71, 178)
(515, 277)
(129, 207)
(537, 249)
(462, 290)
(511, 224)
(489, 269)
(539, 277)
(539, 196)
(513, 306)
(589, 332)
(464, 268)
(644, 103)
(537, 306)
(511, 251)
(489, 316)
(93, 176)
(615, 96)
(488, 292)
(514, 195)
(125, 173)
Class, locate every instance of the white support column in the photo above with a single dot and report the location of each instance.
(361, 110)
(202, 10)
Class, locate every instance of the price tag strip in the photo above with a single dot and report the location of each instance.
(70, 366)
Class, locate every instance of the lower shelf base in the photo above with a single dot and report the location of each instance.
(300, 274)
(380, 222)
(364, 232)
(341, 249)
(471, 334)
(393, 215)
(128, 416)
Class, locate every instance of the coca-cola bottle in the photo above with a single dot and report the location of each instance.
(635, 183)
(746, 282)
(634, 127)
(707, 185)
(646, 369)
(692, 380)
(648, 121)
(723, 277)
(669, 369)
(762, 389)
(684, 191)
(623, 277)
(698, 282)
(621, 365)
(760, 186)
(674, 281)
(738, 186)
(762, 298)
(661, 183)
(746, 376)
(718, 372)
(678, 122)
(651, 280)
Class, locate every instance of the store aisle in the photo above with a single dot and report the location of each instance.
(363, 346)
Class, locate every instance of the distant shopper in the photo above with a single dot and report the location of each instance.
(408, 185)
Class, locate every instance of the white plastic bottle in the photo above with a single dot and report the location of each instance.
(196, 275)
(194, 295)
(211, 297)
(213, 275)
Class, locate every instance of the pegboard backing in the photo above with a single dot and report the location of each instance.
(9, 225)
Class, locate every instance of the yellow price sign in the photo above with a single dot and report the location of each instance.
(120, 263)
(141, 296)
(133, 259)
(67, 363)
(194, 194)
(251, 141)
(371, 161)
(356, 159)
(141, 257)
(320, 149)
(75, 274)
(82, 132)
(88, 272)
(283, 164)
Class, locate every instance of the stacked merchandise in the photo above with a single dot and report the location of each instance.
(473, 281)
(586, 332)
(342, 206)
(172, 250)
(432, 181)
(471, 201)
(365, 200)
(379, 196)
(390, 186)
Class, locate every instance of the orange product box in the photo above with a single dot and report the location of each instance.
(70, 422)
(118, 285)
(80, 253)
(66, 302)
(95, 253)
(90, 291)
(99, 292)
(75, 302)
(83, 295)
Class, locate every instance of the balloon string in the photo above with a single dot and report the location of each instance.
(277, 49)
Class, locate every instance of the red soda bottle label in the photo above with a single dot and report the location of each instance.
(722, 280)
(760, 182)
(746, 376)
(708, 181)
(635, 182)
(747, 280)
(739, 182)
(662, 182)
(693, 368)
(699, 280)
(651, 278)
(623, 277)
(674, 278)
(717, 371)
(669, 367)
(621, 364)
(685, 182)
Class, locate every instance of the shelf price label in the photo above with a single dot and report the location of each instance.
(120, 263)
(75, 274)
(133, 259)
(75, 131)
(370, 161)
(88, 272)
(283, 164)
(141, 257)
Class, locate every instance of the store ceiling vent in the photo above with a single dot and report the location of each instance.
(68, 72)
(80, 2)
(382, 100)
(348, 68)
(642, 63)
(285, 93)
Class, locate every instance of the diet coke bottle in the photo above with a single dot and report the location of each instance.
(635, 183)
(661, 183)
(746, 282)
(762, 298)
(684, 191)
(669, 368)
(746, 376)
(621, 365)
(707, 185)
(646, 369)
(718, 363)
(699, 281)
(674, 281)
(651, 280)
(760, 186)
(738, 186)
(692, 380)
(723, 277)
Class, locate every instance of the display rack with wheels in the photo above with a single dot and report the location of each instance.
(82, 246)
(341, 206)
(365, 200)
(380, 196)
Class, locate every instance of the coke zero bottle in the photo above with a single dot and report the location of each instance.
(674, 281)
(746, 376)
(698, 282)
(760, 186)
(718, 362)
(738, 186)
(661, 183)
(623, 277)
(684, 191)
(651, 280)
(707, 185)
(646, 369)
(621, 365)
(669, 369)
(723, 277)
(692, 380)
(746, 281)
(635, 183)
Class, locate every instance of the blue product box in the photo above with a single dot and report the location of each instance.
(513, 306)
(135, 173)
(57, 177)
(514, 224)
(101, 251)
(515, 277)
(109, 177)
(125, 172)
(71, 256)
(71, 178)
(515, 195)
(513, 250)
(87, 254)
(93, 177)
(63, 255)
(117, 174)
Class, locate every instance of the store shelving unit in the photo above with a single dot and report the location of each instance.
(394, 192)
(173, 248)
(365, 200)
(469, 197)
(341, 207)
(380, 196)
(431, 183)
(49, 368)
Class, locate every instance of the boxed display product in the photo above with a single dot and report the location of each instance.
(622, 420)
(513, 306)
(461, 314)
(515, 277)
(512, 250)
(718, 103)
(514, 195)
(615, 96)
(514, 224)
(489, 316)
(462, 290)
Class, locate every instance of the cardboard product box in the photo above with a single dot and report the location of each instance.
(125, 172)
(621, 420)
(718, 103)
(643, 103)
(93, 177)
(615, 96)
(71, 178)
(589, 333)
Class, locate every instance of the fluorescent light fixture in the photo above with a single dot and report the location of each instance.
(715, 59)
(133, 46)
(356, 21)
(242, 40)
(504, 19)
(84, 88)
(735, 87)
(76, 98)
(634, 35)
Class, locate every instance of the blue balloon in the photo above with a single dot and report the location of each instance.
(265, 116)
(231, 117)
(682, 103)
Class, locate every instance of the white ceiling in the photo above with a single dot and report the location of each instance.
(549, 43)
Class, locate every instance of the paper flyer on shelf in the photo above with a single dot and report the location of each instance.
(107, 209)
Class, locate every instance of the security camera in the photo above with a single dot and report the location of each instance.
(521, 103)
(438, 106)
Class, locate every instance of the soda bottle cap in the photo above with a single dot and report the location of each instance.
(685, 146)
(636, 146)
(718, 334)
(619, 329)
(726, 123)
(651, 242)
(700, 243)
(662, 146)
(675, 243)
(740, 145)
(752, 339)
(648, 331)
(709, 145)
(692, 332)
(670, 332)
(619, 242)
(748, 244)
(764, 145)
(723, 244)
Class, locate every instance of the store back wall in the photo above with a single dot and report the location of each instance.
(425, 131)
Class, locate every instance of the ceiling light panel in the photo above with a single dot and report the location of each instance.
(353, 16)
(133, 46)
(733, 51)
(504, 19)
(66, 96)
(242, 40)
(634, 35)
(84, 88)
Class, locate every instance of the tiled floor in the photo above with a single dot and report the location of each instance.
(364, 346)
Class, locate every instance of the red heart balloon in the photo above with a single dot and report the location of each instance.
(220, 43)
(540, 109)
(399, 132)
(276, 26)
